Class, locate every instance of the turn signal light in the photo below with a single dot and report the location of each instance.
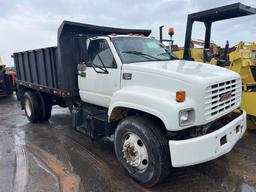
(180, 96)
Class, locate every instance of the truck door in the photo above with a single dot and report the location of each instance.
(101, 77)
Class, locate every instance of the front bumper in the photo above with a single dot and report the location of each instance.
(207, 147)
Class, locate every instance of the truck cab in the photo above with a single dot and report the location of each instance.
(106, 55)
(161, 112)
(131, 63)
(138, 73)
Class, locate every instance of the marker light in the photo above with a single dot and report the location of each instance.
(180, 96)
(171, 31)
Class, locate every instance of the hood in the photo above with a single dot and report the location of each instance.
(185, 70)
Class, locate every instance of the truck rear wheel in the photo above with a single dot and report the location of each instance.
(46, 107)
(143, 150)
(48, 112)
(32, 106)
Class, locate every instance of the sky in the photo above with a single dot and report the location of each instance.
(31, 24)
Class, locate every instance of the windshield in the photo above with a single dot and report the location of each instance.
(140, 49)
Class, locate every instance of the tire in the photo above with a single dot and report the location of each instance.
(48, 112)
(46, 107)
(154, 164)
(32, 106)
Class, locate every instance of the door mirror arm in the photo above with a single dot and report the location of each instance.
(103, 69)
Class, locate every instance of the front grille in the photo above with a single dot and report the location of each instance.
(221, 97)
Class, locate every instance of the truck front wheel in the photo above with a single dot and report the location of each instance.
(142, 149)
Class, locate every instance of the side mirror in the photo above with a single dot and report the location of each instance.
(81, 66)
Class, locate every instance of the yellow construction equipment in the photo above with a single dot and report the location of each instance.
(242, 61)
(252, 47)
(197, 51)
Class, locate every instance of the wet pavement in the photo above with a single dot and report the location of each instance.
(53, 157)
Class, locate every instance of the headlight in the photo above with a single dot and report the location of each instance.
(186, 117)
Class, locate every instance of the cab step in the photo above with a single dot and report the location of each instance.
(92, 121)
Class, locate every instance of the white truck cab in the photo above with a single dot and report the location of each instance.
(128, 72)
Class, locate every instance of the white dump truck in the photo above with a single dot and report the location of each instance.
(163, 112)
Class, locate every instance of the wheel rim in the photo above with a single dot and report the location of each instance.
(27, 107)
(135, 152)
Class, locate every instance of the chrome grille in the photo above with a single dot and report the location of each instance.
(214, 104)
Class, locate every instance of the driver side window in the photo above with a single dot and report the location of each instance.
(99, 53)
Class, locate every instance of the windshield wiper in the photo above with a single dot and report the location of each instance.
(142, 54)
(171, 56)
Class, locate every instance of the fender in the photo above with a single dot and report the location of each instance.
(157, 102)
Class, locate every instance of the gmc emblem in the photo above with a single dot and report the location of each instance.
(225, 96)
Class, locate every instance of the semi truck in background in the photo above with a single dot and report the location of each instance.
(163, 112)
